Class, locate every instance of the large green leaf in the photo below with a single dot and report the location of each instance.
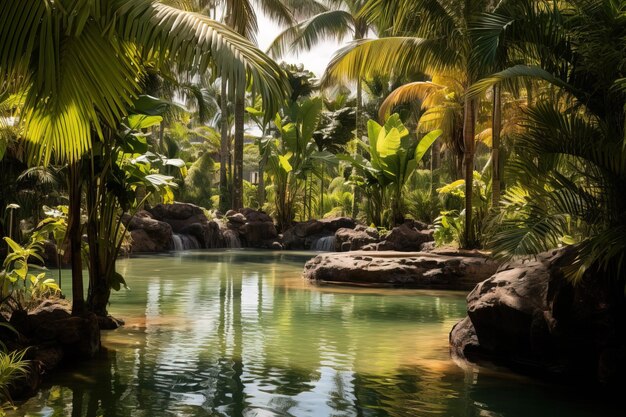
(309, 117)
(424, 145)
(142, 121)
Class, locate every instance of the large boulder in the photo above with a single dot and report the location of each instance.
(408, 237)
(355, 239)
(152, 230)
(529, 317)
(148, 234)
(179, 215)
(258, 234)
(303, 235)
(399, 269)
(51, 325)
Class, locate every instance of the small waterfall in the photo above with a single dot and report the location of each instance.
(325, 244)
(184, 242)
(177, 242)
(232, 239)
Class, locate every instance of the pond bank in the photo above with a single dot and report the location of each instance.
(460, 270)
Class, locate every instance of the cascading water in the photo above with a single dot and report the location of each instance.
(184, 242)
(324, 244)
(232, 240)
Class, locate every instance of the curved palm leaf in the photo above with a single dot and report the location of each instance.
(393, 55)
(419, 90)
(331, 24)
(80, 61)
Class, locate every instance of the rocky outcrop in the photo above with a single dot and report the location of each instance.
(529, 317)
(303, 235)
(355, 239)
(408, 237)
(189, 219)
(52, 335)
(148, 234)
(255, 229)
(160, 228)
(400, 269)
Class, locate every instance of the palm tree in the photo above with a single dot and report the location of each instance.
(336, 20)
(432, 36)
(80, 65)
(570, 160)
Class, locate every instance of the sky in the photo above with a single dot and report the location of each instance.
(315, 60)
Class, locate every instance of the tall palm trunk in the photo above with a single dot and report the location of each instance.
(240, 111)
(261, 185)
(356, 195)
(469, 126)
(495, 145)
(224, 195)
(75, 238)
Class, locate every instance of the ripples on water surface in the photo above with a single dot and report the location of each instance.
(242, 334)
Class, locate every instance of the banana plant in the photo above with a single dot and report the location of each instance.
(292, 155)
(393, 157)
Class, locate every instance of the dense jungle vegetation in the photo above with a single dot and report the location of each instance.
(500, 122)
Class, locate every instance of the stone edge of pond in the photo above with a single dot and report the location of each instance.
(449, 270)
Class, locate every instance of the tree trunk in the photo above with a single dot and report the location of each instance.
(224, 194)
(240, 110)
(75, 237)
(469, 125)
(495, 145)
(261, 186)
(355, 190)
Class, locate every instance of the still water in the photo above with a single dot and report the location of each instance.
(242, 334)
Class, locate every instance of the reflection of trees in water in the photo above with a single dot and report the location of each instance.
(233, 339)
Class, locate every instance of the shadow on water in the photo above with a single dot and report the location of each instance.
(241, 334)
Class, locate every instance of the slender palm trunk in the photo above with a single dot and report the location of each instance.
(469, 126)
(240, 110)
(356, 195)
(261, 186)
(495, 145)
(75, 237)
(224, 195)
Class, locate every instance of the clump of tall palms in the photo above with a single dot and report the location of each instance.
(570, 157)
(431, 36)
(80, 65)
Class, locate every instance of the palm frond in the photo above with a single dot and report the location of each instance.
(332, 24)
(395, 56)
(410, 92)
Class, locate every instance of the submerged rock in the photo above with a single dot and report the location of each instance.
(400, 269)
(529, 317)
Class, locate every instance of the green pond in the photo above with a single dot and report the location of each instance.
(242, 334)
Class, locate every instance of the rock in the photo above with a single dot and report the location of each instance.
(254, 233)
(529, 317)
(276, 246)
(303, 235)
(406, 238)
(179, 215)
(256, 216)
(198, 231)
(355, 239)
(213, 236)
(152, 229)
(237, 218)
(109, 323)
(51, 323)
(401, 269)
(148, 234)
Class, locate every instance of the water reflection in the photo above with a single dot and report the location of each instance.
(241, 334)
